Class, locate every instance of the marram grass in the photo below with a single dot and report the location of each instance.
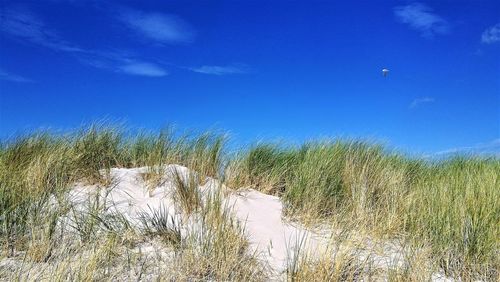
(453, 205)
(450, 208)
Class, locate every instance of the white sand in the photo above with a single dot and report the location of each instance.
(261, 214)
(268, 232)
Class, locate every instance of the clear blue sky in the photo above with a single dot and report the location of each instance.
(259, 69)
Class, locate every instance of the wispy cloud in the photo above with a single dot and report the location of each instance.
(145, 69)
(422, 19)
(4, 75)
(218, 70)
(162, 28)
(122, 62)
(118, 62)
(491, 35)
(21, 23)
(488, 148)
(419, 101)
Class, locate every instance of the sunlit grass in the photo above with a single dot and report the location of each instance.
(450, 208)
(451, 205)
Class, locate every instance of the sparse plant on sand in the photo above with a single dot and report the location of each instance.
(186, 191)
(162, 224)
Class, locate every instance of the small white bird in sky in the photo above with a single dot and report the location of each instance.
(385, 72)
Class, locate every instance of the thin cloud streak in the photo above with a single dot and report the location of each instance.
(145, 69)
(159, 27)
(491, 35)
(422, 19)
(122, 62)
(489, 148)
(218, 70)
(24, 25)
(419, 101)
(4, 75)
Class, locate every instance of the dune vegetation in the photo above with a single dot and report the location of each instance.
(450, 206)
(445, 213)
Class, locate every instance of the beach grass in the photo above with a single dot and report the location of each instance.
(452, 205)
(449, 207)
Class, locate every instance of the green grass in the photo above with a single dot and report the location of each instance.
(37, 166)
(186, 192)
(451, 206)
(40, 226)
(159, 223)
(456, 207)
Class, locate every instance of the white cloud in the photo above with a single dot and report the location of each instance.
(491, 35)
(421, 18)
(487, 149)
(13, 77)
(218, 70)
(145, 69)
(419, 101)
(163, 28)
(119, 62)
(21, 23)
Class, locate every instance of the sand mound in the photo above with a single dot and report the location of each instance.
(273, 238)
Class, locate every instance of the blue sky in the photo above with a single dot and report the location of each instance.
(258, 69)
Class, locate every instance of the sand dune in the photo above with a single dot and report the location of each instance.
(269, 234)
